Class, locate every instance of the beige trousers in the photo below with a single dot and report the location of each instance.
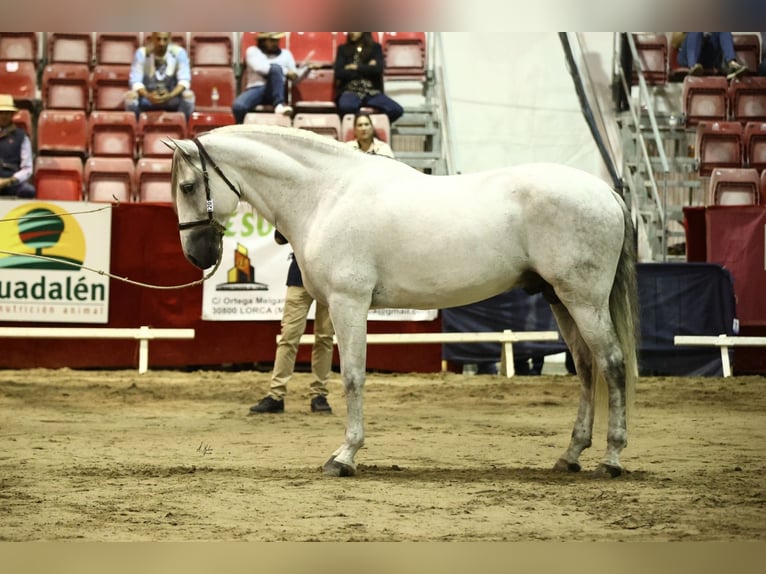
(297, 303)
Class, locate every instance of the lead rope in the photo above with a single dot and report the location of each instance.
(106, 273)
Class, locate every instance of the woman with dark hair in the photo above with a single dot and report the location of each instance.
(359, 74)
(364, 137)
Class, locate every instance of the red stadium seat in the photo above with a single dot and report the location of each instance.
(653, 53)
(734, 186)
(116, 48)
(153, 179)
(676, 72)
(380, 122)
(763, 187)
(66, 86)
(747, 45)
(211, 49)
(19, 46)
(705, 98)
(324, 124)
(747, 95)
(109, 178)
(112, 134)
(153, 127)
(755, 145)
(315, 47)
(201, 122)
(405, 54)
(267, 119)
(23, 120)
(315, 93)
(204, 79)
(109, 84)
(19, 79)
(70, 48)
(62, 132)
(58, 178)
(718, 144)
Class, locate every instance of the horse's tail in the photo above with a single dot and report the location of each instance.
(623, 307)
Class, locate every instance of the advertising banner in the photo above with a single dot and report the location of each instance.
(43, 246)
(249, 285)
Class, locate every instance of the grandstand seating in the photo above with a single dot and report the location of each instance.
(653, 53)
(324, 124)
(153, 179)
(19, 79)
(718, 144)
(315, 93)
(70, 48)
(267, 119)
(58, 178)
(62, 132)
(405, 54)
(211, 49)
(747, 45)
(763, 187)
(109, 84)
(153, 127)
(705, 98)
(747, 97)
(754, 139)
(379, 121)
(734, 186)
(315, 47)
(112, 133)
(109, 178)
(200, 122)
(19, 46)
(66, 86)
(116, 48)
(204, 79)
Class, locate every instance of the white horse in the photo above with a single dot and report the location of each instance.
(368, 231)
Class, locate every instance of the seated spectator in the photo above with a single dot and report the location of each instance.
(359, 73)
(700, 51)
(267, 67)
(160, 78)
(15, 154)
(364, 137)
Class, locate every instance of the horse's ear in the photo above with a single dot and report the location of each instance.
(170, 142)
(184, 146)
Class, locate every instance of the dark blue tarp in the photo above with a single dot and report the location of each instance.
(674, 299)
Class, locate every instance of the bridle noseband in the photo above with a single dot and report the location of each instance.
(203, 155)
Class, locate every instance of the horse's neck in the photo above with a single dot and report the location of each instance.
(280, 176)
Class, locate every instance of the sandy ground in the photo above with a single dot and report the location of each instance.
(117, 456)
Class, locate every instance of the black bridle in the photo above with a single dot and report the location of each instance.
(203, 156)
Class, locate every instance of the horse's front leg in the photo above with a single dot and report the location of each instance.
(349, 317)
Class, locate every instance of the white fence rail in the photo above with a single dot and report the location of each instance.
(506, 338)
(143, 334)
(723, 341)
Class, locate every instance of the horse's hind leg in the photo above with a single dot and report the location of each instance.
(582, 432)
(598, 333)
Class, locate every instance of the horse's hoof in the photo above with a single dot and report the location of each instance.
(565, 466)
(607, 471)
(335, 468)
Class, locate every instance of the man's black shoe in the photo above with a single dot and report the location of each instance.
(319, 404)
(268, 405)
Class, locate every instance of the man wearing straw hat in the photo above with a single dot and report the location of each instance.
(15, 154)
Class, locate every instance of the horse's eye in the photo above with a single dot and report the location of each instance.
(187, 188)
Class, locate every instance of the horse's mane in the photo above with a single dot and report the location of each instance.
(306, 136)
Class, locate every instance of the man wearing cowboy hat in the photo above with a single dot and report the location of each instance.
(15, 154)
(267, 66)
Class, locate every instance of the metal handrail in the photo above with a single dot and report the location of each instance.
(442, 84)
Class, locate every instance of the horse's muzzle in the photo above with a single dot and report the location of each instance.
(202, 246)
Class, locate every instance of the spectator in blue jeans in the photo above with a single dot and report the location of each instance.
(700, 51)
(15, 154)
(359, 72)
(762, 65)
(267, 68)
(160, 78)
